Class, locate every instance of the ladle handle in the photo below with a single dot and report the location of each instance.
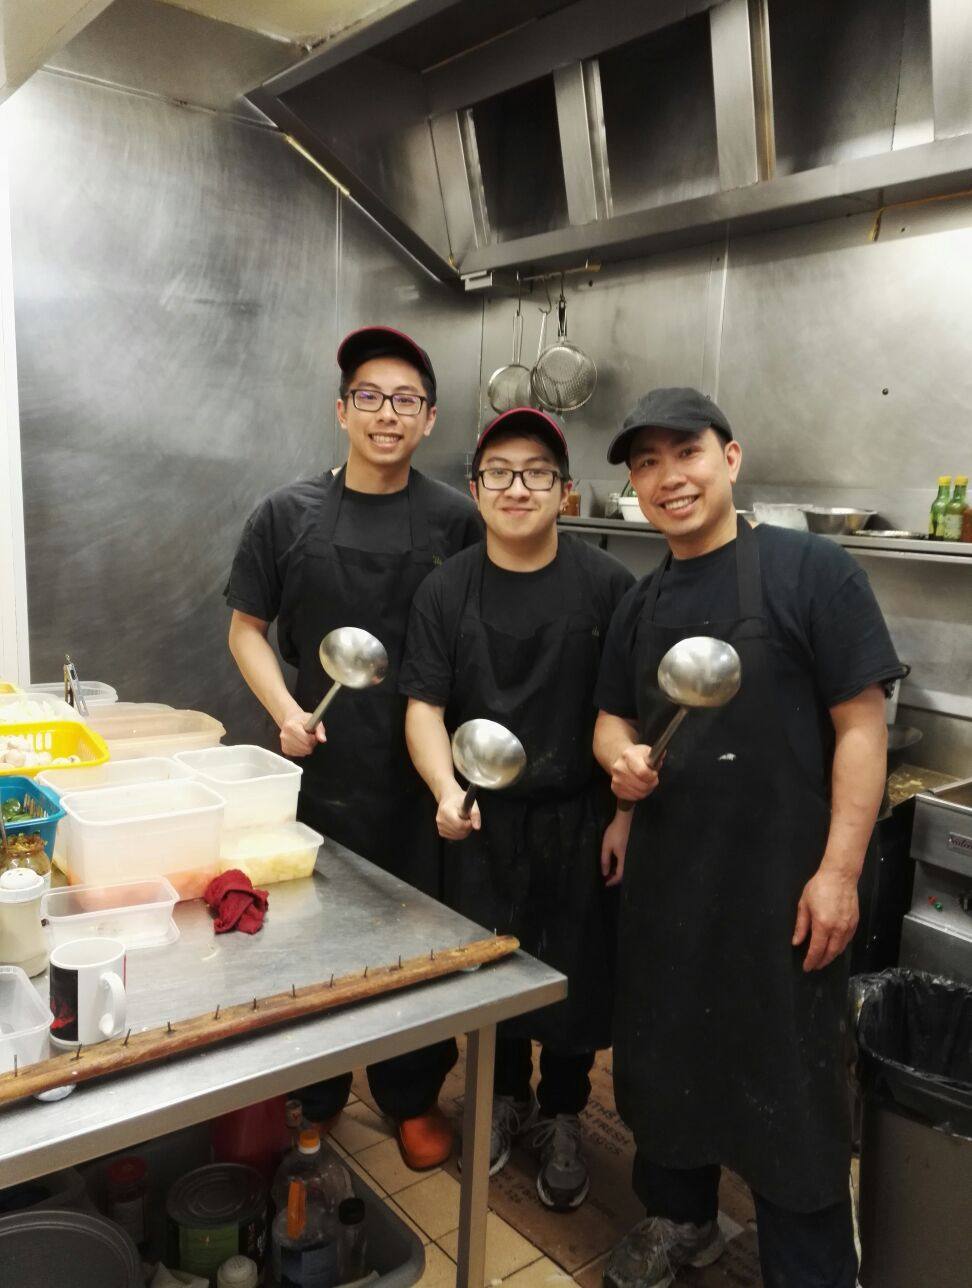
(322, 706)
(658, 749)
(467, 801)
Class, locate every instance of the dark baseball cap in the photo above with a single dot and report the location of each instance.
(673, 408)
(526, 420)
(382, 342)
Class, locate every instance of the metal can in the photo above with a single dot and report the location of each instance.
(215, 1213)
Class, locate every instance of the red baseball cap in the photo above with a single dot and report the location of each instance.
(528, 420)
(382, 342)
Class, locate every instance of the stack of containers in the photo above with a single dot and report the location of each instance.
(136, 729)
(261, 836)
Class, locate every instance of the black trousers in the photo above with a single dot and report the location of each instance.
(796, 1249)
(404, 1087)
(564, 1086)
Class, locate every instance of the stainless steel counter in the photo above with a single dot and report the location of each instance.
(349, 915)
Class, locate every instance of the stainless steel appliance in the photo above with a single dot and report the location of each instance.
(937, 931)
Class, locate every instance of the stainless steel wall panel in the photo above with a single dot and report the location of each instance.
(379, 284)
(951, 49)
(457, 201)
(735, 96)
(175, 278)
(836, 79)
(575, 143)
(159, 49)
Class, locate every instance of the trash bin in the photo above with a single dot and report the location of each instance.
(914, 1034)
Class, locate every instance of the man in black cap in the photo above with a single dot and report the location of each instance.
(740, 882)
(512, 631)
(349, 548)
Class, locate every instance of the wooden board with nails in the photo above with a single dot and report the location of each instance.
(166, 1040)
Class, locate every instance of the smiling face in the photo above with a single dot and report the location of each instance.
(518, 514)
(385, 438)
(684, 486)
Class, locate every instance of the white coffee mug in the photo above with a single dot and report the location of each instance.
(88, 1002)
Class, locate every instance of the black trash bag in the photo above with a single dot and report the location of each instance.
(914, 1037)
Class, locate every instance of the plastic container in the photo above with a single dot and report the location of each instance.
(56, 739)
(256, 1135)
(394, 1251)
(126, 1195)
(258, 786)
(139, 913)
(66, 1250)
(305, 1242)
(24, 1023)
(267, 855)
(327, 1180)
(169, 829)
(19, 787)
(94, 692)
(28, 708)
(156, 733)
(22, 939)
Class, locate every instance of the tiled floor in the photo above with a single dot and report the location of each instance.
(526, 1245)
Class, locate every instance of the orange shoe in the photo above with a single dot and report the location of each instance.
(425, 1141)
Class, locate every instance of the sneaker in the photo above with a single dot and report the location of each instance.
(656, 1249)
(511, 1118)
(562, 1179)
(425, 1141)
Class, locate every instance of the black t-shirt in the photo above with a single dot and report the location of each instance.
(517, 603)
(821, 614)
(366, 521)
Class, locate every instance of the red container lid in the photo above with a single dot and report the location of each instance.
(126, 1171)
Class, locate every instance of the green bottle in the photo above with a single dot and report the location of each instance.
(938, 507)
(951, 528)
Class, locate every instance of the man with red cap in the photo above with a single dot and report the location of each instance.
(512, 631)
(350, 547)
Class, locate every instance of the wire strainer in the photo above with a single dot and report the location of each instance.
(509, 386)
(564, 377)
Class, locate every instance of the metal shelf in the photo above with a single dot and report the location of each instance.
(954, 552)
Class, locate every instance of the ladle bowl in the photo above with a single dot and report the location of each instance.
(354, 659)
(487, 755)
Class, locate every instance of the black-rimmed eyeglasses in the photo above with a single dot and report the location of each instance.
(534, 480)
(374, 400)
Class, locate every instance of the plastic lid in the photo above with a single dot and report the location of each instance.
(309, 1142)
(126, 1171)
(237, 1272)
(20, 885)
(351, 1211)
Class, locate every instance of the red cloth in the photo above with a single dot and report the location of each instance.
(236, 904)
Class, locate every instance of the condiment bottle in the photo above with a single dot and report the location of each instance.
(937, 513)
(352, 1240)
(22, 939)
(951, 527)
(26, 850)
(126, 1192)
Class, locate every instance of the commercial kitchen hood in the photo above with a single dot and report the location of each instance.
(527, 135)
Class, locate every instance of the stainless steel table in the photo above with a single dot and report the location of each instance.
(349, 915)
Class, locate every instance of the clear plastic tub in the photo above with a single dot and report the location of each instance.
(94, 692)
(28, 708)
(169, 829)
(24, 1020)
(156, 733)
(258, 786)
(139, 913)
(116, 773)
(270, 854)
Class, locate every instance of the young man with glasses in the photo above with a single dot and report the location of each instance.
(349, 548)
(512, 631)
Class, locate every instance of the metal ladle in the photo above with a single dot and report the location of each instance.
(353, 659)
(696, 672)
(487, 755)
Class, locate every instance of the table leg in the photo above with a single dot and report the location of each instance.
(476, 1121)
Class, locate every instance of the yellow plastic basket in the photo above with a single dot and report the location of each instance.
(60, 738)
(7, 687)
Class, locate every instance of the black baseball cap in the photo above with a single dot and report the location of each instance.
(671, 408)
(382, 342)
(526, 420)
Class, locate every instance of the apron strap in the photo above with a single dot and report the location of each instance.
(579, 588)
(418, 509)
(749, 586)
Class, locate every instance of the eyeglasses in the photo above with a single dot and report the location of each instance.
(374, 400)
(497, 480)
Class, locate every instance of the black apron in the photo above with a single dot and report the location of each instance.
(359, 787)
(725, 1051)
(533, 870)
